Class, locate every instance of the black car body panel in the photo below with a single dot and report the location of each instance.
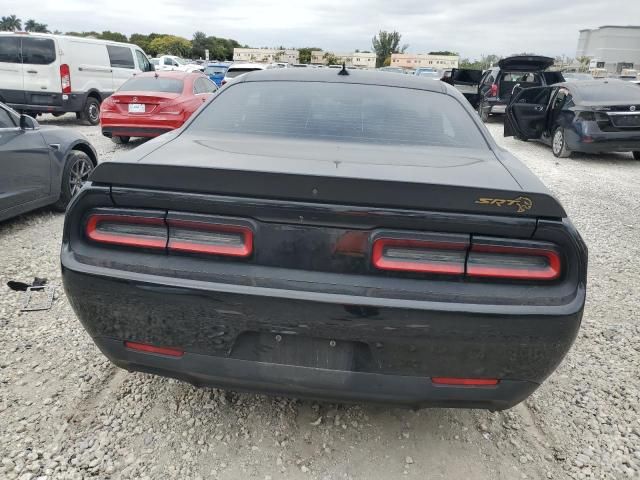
(32, 163)
(306, 312)
(595, 116)
(525, 63)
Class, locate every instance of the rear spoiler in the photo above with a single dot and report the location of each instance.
(333, 190)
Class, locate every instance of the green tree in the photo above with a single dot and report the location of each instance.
(199, 43)
(113, 36)
(331, 58)
(32, 26)
(444, 52)
(10, 23)
(170, 45)
(584, 63)
(386, 43)
(305, 53)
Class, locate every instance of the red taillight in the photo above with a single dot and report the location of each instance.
(494, 90)
(132, 231)
(108, 105)
(65, 78)
(146, 348)
(514, 262)
(466, 382)
(209, 238)
(417, 255)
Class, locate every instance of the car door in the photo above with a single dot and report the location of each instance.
(203, 88)
(467, 81)
(25, 163)
(528, 112)
(41, 71)
(11, 73)
(122, 64)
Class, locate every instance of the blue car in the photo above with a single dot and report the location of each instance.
(216, 72)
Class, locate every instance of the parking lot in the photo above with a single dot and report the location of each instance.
(66, 412)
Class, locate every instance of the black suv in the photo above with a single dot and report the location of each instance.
(490, 91)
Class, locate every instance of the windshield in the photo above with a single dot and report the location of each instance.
(152, 84)
(614, 92)
(216, 70)
(341, 112)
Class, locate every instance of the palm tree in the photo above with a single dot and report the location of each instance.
(10, 23)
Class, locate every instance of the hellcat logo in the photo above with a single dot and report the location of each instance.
(521, 203)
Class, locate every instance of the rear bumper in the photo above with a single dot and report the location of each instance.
(50, 102)
(123, 125)
(130, 131)
(315, 383)
(602, 142)
(399, 347)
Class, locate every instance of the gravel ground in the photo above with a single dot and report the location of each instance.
(66, 412)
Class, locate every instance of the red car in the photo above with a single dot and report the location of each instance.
(153, 103)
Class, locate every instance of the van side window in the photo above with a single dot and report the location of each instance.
(9, 49)
(120, 57)
(38, 51)
(143, 61)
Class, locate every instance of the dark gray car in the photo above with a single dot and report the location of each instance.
(39, 166)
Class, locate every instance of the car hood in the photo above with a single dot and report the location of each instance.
(311, 170)
(525, 63)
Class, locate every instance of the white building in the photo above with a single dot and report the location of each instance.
(354, 59)
(611, 47)
(415, 60)
(265, 55)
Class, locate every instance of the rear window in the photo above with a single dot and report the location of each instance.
(521, 77)
(38, 51)
(236, 72)
(152, 84)
(342, 112)
(615, 92)
(120, 56)
(9, 49)
(215, 70)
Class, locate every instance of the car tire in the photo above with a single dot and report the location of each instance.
(120, 140)
(484, 114)
(91, 111)
(78, 166)
(559, 144)
(636, 155)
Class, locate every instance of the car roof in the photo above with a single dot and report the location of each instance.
(363, 77)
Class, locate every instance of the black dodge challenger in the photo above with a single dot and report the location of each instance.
(341, 235)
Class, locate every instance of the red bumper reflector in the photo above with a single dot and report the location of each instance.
(468, 382)
(146, 348)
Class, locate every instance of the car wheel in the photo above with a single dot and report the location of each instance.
(559, 144)
(91, 112)
(484, 114)
(636, 155)
(78, 167)
(120, 140)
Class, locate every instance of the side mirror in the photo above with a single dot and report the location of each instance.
(28, 123)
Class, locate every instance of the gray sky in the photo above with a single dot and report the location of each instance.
(471, 27)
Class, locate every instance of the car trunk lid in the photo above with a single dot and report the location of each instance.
(150, 100)
(525, 63)
(426, 178)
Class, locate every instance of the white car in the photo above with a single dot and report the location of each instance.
(171, 62)
(237, 69)
(44, 73)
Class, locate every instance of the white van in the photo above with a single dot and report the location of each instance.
(42, 73)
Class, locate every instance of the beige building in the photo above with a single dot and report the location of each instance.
(415, 60)
(265, 55)
(355, 59)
